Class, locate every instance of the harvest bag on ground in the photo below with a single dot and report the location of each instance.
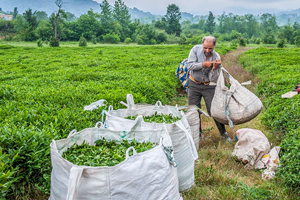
(234, 105)
(184, 149)
(192, 114)
(146, 175)
(251, 146)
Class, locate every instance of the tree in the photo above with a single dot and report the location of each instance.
(88, 25)
(41, 15)
(173, 17)
(15, 13)
(31, 24)
(44, 30)
(56, 17)
(122, 17)
(106, 18)
(210, 23)
(286, 32)
(252, 26)
(268, 23)
(6, 27)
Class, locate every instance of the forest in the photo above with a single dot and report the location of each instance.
(115, 25)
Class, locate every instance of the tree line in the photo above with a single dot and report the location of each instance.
(114, 25)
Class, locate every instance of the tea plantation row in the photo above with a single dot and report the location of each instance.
(43, 92)
(279, 71)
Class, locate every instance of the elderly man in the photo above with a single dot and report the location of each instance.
(203, 65)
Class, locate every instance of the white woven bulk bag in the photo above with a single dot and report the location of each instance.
(234, 105)
(192, 114)
(185, 152)
(146, 175)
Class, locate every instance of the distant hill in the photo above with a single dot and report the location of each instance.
(77, 7)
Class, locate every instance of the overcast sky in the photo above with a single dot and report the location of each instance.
(202, 7)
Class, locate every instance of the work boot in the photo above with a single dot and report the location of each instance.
(226, 137)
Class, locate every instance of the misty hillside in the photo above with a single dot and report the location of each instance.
(76, 7)
(79, 7)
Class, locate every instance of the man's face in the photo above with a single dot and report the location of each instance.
(208, 47)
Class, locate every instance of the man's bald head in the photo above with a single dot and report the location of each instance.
(209, 39)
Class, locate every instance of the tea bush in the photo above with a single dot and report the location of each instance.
(43, 92)
(279, 71)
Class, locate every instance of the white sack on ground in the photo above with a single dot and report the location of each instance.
(185, 152)
(251, 146)
(146, 175)
(191, 113)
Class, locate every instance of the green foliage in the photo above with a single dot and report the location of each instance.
(43, 92)
(54, 42)
(290, 166)
(279, 70)
(7, 172)
(39, 43)
(94, 39)
(242, 41)
(82, 42)
(157, 118)
(103, 153)
(210, 23)
(257, 41)
(297, 41)
(172, 20)
(128, 41)
(111, 38)
(281, 43)
(233, 44)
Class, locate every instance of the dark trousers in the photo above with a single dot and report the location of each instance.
(195, 94)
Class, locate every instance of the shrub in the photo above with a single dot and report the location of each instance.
(54, 42)
(82, 42)
(297, 41)
(94, 39)
(152, 41)
(111, 38)
(39, 43)
(242, 41)
(233, 44)
(128, 41)
(257, 41)
(183, 40)
(281, 43)
(139, 40)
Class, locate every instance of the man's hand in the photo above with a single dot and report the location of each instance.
(207, 64)
(216, 64)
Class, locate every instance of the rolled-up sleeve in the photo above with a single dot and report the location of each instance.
(193, 63)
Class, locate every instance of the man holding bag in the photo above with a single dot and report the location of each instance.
(203, 65)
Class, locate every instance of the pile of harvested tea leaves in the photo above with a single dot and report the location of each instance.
(103, 153)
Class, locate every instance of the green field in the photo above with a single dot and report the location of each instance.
(43, 92)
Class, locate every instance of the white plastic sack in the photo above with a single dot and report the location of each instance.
(95, 105)
(252, 144)
(192, 114)
(234, 105)
(146, 175)
(185, 152)
(271, 161)
(193, 118)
